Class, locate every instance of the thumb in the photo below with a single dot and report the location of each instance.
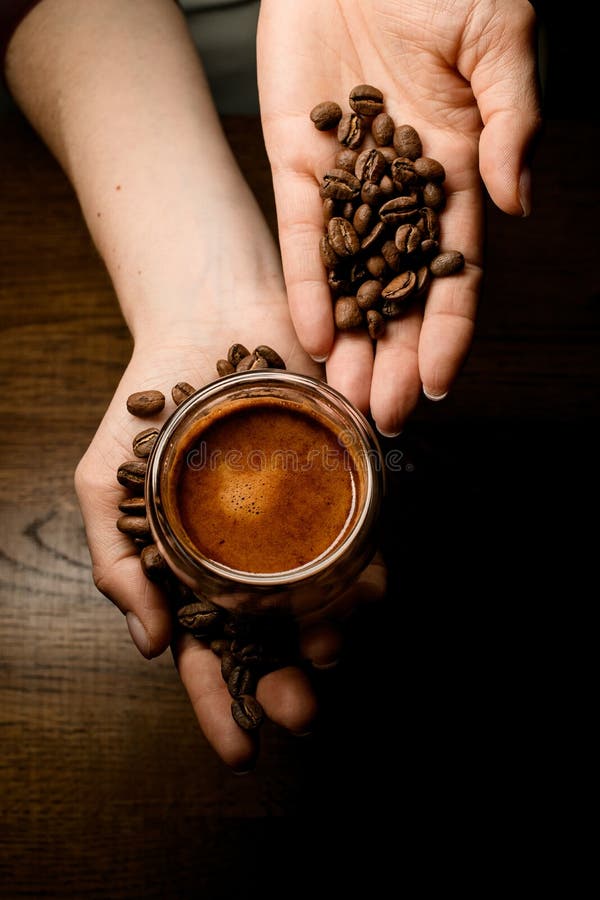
(504, 82)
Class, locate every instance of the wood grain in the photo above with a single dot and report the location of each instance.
(107, 788)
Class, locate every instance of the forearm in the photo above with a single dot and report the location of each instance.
(117, 92)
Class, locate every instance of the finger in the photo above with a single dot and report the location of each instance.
(504, 82)
(321, 644)
(300, 217)
(288, 699)
(369, 587)
(451, 306)
(116, 567)
(350, 367)
(396, 382)
(200, 672)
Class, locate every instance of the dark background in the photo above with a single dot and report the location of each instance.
(456, 710)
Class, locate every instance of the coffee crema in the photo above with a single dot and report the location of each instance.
(264, 485)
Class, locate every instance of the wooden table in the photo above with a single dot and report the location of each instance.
(107, 787)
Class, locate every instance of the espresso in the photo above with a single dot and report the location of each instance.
(264, 485)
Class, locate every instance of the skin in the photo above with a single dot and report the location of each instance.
(117, 92)
(463, 74)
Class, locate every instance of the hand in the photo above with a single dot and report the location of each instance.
(259, 316)
(444, 68)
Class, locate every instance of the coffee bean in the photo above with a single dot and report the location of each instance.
(228, 663)
(391, 309)
(347, 210)
(407, 142)
(246, 363)
(346, 159)
(429, 169)
(248, 654)
(153, 565)
(396, 211)
(272, 357)
(199, 616)
(181, 391)
(356, 276)
(431, 222)
(141, 542)
(241, 681)
(391, 255)
(386, 188)
(259, 363)
(375, 324)
(132, 474)
(338, 184)
(144, 441)
(219, 646)
(403, 173)
(366, 100)
(382, 129)
(423, 281)
(371, 193)
(401, 287)
(338, 281)
(433, 195)
(446, 263)
(134, 526)
(236, 353)
(347, 314)
(376, 266)
(369, 293)
(133, 506)
(342, 237)
(429, 248)
(363, 219)
(389, 154)
(369, 243)
(247, 712)
(224, 367)
(326, 115)
(408, 238)
(145, 403)
(351, 131)
(330, 209)
(370, 166)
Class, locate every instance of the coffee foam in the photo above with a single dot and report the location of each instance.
(246, 495)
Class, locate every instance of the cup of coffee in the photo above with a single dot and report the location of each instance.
(264, 490)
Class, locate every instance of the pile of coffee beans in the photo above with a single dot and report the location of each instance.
(381, 205)
(248, 646)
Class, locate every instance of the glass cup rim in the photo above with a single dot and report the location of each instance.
(261, 378)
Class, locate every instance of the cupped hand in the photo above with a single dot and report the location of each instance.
(252, 315)
(463, 74)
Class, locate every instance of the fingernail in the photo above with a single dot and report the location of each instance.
(301, 734)
(242, 771)
(434, 397)
(320, 359)
(138, 633)
(525, 191)
(388, 434)
(323, 667)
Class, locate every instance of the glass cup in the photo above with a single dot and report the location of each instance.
(299, 590)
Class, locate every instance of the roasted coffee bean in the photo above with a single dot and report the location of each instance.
(407, 142)
(133, 506)
(363, 219)
(346, 159)
(408, 238)
(386, 188)
(356, 276)
(391, 255)
(338, 184)
(132, 474)
(329, 257)
(390, 309)
(338, 281)
(342, 237)
(330, 209)
(403, 173)
(395, 211)
(236, 353)
(366, 100)
(374, 237)
(446, 263)
(228, 664)
(199, 616)
(247, 712)
(429, 248)
(423, 281)
(369, 293)
(382, 129)
(241, 681)
(389, 154)
(224, 367)
(246, 363)
(347, 314)
(401, 287)
(370, 166)
(259, 363)
(375, 324)
(371, 193)
(181, 391)
(429, 169)
(351, 131)
(141, 542)
(326, 115)
(134, 526)
(433, 195)
(144, 441)
(219, 646)
(431, 222)
(376, 266)
(153, 565)
(272, 357)
(145, 403)
(248, 654)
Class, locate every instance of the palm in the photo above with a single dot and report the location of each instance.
(412, 52)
